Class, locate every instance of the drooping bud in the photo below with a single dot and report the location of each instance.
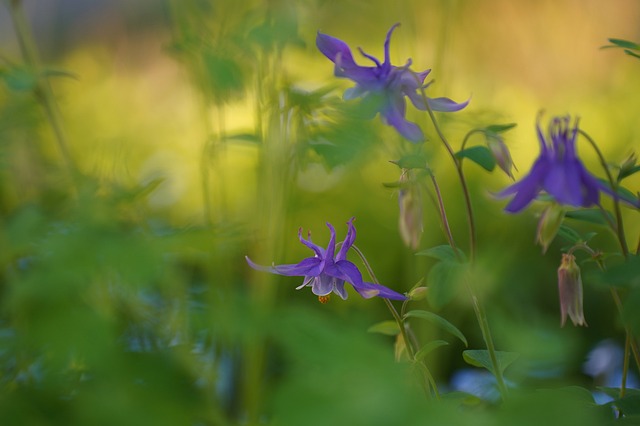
(570, 291)
(410, 219)
(418, 293)
(501, 153)
(549, 224)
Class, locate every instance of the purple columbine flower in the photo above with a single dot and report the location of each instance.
(327, 272)
(559, 172)
(384, 83)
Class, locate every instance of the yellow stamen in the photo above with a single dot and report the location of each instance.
(324, 299)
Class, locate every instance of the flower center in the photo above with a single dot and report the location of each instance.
(324, 299)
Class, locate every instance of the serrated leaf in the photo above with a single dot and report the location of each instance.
(500, 128)
(590, 215)
(443, 281)
(389, 328)
(428, 348)
(481, 358)
(443, 252)
(439, 321)
(481, 155)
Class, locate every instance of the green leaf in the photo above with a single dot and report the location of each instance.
(389, 328)
(481, 155)
(624, 43)
(428, 348)
(625, 173)
(596, 216)
(244, 137)
(630, 53)
(439, 321)
(443, 282)
(20, 79)
(412, 161)
(443, 252)
(53, 72)
(626, 274)
(569, 234)
(481, 358)
(500, 128)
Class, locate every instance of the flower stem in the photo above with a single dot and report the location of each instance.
(481, 316)
(619, 228)
(42, 91)
(404, 331)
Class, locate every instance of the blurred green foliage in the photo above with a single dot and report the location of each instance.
(124, 294)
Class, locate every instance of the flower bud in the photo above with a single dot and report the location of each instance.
(410, 219)
(570, 291)
(501, 153)
(549, 224)
(418, 293)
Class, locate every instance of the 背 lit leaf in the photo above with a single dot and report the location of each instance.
(443, 281)
(596, 216)
(428, 348)
(500, 128)
(389, 328)
(569, 234)
(412, 161)
(481, 155)
(481, 358)
(626, 274)
(618, 42)
(443, 252)
(439, 321)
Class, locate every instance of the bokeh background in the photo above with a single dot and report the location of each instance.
(203, 131)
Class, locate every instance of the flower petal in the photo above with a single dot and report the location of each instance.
(332, 47)
(346, 271)
(339, 289)
(310, 266)
(368, 290)
(348, 241)
(322, 285)
(446, 104)
(394, 116)
(317, 249)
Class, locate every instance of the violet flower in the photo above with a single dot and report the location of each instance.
(327, 272)
(559, 172)
(384, 83)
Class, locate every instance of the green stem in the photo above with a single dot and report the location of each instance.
(619, 229)
(42, 91)
(635, 350)
(463, 182)
(404, 332)
(477, 306)
(443, 216)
